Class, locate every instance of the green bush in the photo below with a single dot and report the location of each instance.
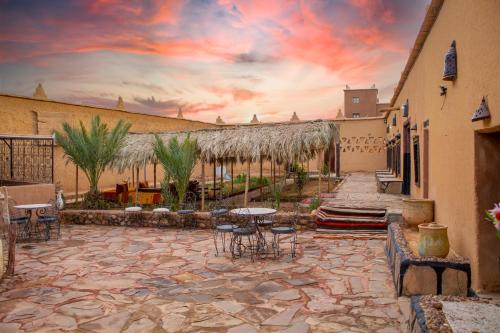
(315, 203)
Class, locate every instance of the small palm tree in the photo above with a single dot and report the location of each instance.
(92, 151)
(178, 160)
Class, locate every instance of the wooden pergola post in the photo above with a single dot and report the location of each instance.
(260, 177)
(145, 177)
(247, 185)
(133, 177)
(76, 184)
(337, 159)
(154, 174)
(274, 173)
(215, 179)
(319, 173)
(221, 177)
(329, 166)
(137, 187)
(232, 176)
(202, 184)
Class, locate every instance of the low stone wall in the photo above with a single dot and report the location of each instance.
(307, 221)
(415, 275)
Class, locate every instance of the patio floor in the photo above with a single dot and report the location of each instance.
(116, 279)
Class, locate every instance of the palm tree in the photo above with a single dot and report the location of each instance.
(178, 160)
(92, 151)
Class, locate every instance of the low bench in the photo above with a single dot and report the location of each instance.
(385, 181)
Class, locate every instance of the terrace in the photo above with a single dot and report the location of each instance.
(112, 279)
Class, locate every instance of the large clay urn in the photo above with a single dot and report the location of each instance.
(433, 240)
(417, 211)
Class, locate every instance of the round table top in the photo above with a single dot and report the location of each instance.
(254, 211)
(33, 206)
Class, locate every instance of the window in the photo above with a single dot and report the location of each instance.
(355, 115)
(416, 159)
(355, 100)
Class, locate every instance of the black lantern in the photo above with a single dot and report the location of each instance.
(450, 63)
(394, 120)
(413, 127)
(482, 111)
(405, 109)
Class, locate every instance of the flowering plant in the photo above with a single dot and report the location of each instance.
(494, 217)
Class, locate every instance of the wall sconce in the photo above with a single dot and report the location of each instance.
(413, 127)
(450, 63)
(482, 111)
(444, 90)
(404, 109)
(394, 120)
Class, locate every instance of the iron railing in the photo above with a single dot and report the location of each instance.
(26, 159)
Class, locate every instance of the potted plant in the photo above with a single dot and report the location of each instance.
(493, 216)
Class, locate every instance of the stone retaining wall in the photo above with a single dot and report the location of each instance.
(415, 275)
(307, 221)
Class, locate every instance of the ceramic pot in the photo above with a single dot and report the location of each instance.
(433, 240)
(417, 211)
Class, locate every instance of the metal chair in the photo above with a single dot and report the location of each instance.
(187, 211)
(20, 219)
(288, 229)
(246, 230)
(221, 224)
(48, 225)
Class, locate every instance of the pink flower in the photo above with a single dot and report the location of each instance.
(497, 226)
(495, 211)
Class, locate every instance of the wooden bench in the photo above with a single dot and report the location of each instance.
(385, 182)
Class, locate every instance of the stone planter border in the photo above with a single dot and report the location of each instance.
(415, 275)
(307, 221)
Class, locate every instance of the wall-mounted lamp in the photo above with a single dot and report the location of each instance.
(405, 109)
(413, 127)
(450, 63)
(482, 111)
(443, 90)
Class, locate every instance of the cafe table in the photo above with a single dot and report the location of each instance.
(39, 209)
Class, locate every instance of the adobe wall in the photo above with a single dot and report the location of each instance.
(454, 180)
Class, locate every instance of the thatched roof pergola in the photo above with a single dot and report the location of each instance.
(278, 142)
(283, 142)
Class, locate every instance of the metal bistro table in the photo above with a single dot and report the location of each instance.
(256, 213)
(39, 211)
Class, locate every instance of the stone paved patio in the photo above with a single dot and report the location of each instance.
(116, 279)
(359, 189)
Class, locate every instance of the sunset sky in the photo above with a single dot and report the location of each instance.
(223, 57)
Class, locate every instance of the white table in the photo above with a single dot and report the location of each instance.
(254, 211)
(29, 208)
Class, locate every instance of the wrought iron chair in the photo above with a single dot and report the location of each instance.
(287, 229)
(48, 225)
(20, 219)
(246, 230)
(187, 211)
(221, 223)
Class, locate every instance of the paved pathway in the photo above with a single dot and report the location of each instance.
(359, 189)
(117, 279)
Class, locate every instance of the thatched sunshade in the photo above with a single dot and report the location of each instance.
(283, 142)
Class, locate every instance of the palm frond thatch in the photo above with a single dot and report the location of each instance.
(284, 142)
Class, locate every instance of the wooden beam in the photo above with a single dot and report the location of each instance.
(247, 185)
(202, 184)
